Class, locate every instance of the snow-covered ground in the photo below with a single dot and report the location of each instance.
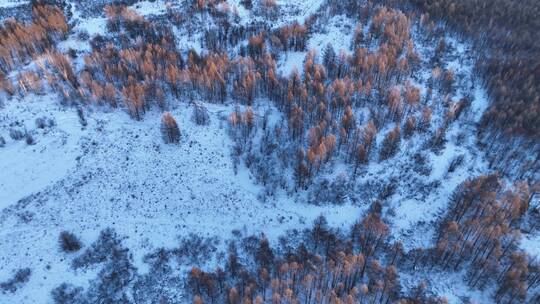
(116, 172)
(530, 244)
(28, 169)
(338, 32)
(289, 11)
(291, 62)
(147, 8)
(12, 3)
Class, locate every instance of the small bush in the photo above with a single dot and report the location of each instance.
(16, 134)
(200, 115)
(44, 122)
(82, 118)
(72, 53)
(30, 139)
(421, 164)
(335, 191)
(98, 42)
(100, 251)
(41, 122)
(2, 142)
(248, 4)
(169, 128)
(67, 293)
(195, 249)
(456, 163)
(387, 190)
(69, 242)
(438, 140)
(83, 35)
(19, 279)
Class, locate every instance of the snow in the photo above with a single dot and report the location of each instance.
(28, 169)
(338, 32)
(12, 3)
(300, 9)
(93, 26)
(289, 11)
(480, 103)
(74, 44)
(414, 215)
(291, 61)
(451, 286)
(145, 189)
(146, 8)
(530, 244)
(410, 212)
(188, 41)
(117, 172)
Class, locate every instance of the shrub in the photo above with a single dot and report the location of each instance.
(16, 134)
(100, 251)
(335, 191)
(200, 115)
(41, 122)
(248, 4)
(69, 242)
(67, 293)
(438, 140)
(29, 139)
(82, 118)
(456, 163)
(19, 279)
(83, 35)
(169, 128)
(44, 122)
(421, 164)
(117, 271)
(387, 190)
(195, 249)
(2, 142)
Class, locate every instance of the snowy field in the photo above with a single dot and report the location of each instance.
(12, 3)
(116, 173)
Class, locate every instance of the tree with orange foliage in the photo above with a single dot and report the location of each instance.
(410, 125)
(301, 171)
(169, 128)
(296, 122)
(395, 103)
(348, 123)
(361, 157)
(390, 143)
(62, 66)
(371, 232)
(133, 96)
(269, 8)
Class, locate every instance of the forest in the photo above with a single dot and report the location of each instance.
(362, 123)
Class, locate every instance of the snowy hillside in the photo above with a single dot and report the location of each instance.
(252, 152)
